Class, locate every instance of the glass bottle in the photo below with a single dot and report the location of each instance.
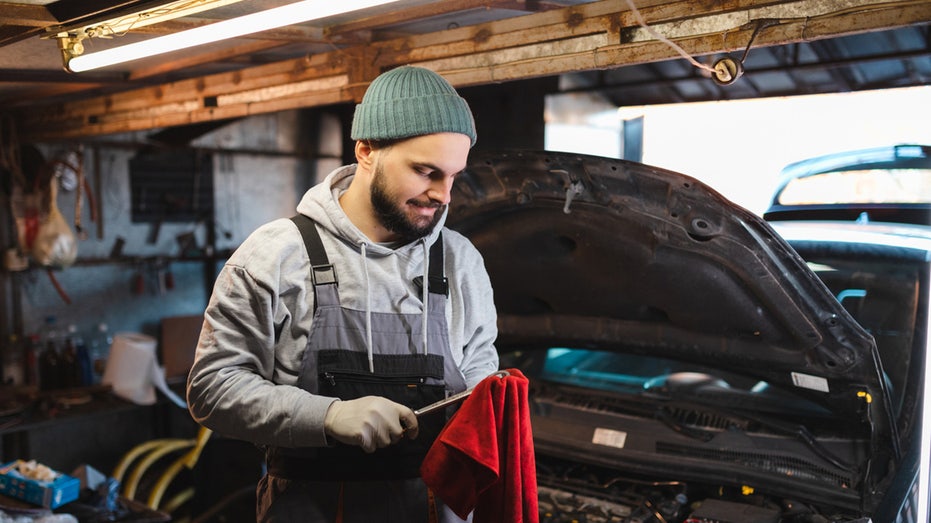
(31, 350)
(85, 370)
(50, 359)
(70, 370)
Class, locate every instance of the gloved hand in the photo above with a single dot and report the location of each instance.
(369, 422)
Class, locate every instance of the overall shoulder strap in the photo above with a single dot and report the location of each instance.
(322, 270)
(439, 284)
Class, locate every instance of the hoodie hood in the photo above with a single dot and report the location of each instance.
(322, 204)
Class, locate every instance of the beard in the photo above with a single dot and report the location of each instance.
(392, 215)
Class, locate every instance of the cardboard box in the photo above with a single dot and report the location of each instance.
(51, 494)
(179, 339)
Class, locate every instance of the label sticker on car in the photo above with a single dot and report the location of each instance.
(609, 438)
(807, 381)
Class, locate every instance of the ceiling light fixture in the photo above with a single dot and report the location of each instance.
(71, 41)
(155, 15)
(290, 14)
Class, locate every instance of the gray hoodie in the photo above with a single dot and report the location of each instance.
(243, 380)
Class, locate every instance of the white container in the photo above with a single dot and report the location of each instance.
(131, 366)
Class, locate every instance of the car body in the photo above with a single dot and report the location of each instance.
(886, 184)
(687, 362)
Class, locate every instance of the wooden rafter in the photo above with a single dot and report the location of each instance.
(586, 37)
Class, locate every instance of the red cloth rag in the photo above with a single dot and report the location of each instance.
(483, 459)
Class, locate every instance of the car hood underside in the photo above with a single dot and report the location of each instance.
(610, 254)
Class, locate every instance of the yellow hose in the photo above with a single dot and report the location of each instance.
(134, 453)
(189, 459)
(167, 447)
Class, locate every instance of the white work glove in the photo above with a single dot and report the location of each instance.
(369, 422)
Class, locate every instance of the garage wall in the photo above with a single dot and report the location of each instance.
(128, 291)
(261, 167)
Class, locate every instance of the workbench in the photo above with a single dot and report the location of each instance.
(67, 429)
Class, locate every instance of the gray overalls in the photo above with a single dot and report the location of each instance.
(341, 483)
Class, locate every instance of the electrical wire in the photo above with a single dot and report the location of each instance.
(761, 24)
(106, 30)
(667, 41)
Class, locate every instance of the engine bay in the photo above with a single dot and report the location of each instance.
(571, 492)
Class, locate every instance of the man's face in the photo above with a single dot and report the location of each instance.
(412, 180)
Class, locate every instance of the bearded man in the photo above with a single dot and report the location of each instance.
(326, 330)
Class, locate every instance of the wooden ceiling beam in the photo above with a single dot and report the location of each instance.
(586, 37)
(204, 58)
(548, 26)
(19, 22)
(25, 15)
(432, 10)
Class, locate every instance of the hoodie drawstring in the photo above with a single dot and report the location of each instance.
(368, 311)
(425, 291)
(425, 288)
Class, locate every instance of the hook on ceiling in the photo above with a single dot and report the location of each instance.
(727, 70)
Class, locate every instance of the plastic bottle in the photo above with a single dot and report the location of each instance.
(100, 351)
(85, 367)
(13, 371)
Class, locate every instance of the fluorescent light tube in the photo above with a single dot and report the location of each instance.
(155, 15)
(253, 23)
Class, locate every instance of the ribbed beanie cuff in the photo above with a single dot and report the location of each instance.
(411, 101)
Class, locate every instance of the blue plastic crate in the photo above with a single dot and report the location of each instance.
(51, 494)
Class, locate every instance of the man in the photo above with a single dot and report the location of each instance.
(318, 349)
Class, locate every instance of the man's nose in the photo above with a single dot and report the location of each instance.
(440, 190)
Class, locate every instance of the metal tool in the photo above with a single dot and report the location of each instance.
(455, 398)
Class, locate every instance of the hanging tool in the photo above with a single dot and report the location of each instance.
(139, 279)
(165, 281)
(169, 277)
(96, 206)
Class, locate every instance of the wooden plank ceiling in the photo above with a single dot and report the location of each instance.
(545, 40)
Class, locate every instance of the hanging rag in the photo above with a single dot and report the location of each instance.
(483, 460)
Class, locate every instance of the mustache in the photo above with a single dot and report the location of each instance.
(429, 204)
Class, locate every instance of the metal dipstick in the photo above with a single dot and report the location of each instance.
(455, 398)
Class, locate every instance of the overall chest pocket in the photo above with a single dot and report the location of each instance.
(414, 380)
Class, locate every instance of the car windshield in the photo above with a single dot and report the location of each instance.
(886, 299)
(859, 186)
(899, 174)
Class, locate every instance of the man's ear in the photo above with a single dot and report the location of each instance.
(364, 154)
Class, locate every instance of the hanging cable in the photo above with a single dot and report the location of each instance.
(670, 43)
(724, 72)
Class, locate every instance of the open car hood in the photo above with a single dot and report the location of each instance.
(593, 252)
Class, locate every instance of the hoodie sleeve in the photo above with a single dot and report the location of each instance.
(242, 383)
(473, 311)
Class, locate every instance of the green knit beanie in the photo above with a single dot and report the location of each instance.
(411, 101)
